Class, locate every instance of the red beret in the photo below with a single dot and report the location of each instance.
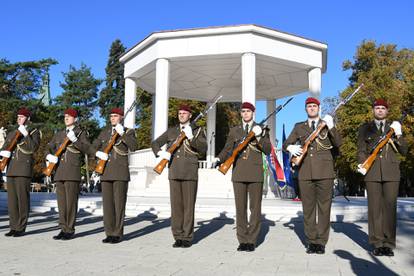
(312, 100)
(381, 102)
(71, 112)
(248, 106)
(24, 111)
(185, 108)
(118, 111)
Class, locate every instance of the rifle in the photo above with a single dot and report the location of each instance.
(49, 169)
(100, 166)
(5, 160)
(180, 139)
(364, 167)
(297, 160)
(225, 166)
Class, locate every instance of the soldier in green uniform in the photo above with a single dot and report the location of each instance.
(383, 179)
(68, 171)
(247, 176)
(182, 173)
(316, 173)
(20, 171)
(115, 177)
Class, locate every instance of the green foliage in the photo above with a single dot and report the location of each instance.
(388, 73)
(112, 95)
(81, 93)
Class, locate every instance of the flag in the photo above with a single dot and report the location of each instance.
(286, 164)
(275, 167)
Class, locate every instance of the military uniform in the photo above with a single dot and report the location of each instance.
(382, 183)
(115, 178)
(247, 178)
(183, 176)
(68, 175)
(19, 175)
(315, 176)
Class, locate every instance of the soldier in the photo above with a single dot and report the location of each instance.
(116, 176)
(316, 173)
(182, 173)
(67, 175)
(383, 179)
(20, 171)
(247, 176)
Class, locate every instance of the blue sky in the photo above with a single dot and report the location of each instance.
(82, 31)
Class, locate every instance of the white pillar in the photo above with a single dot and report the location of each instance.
(270, 107)
(162, 83)
(130, 96)
(315, 82)
(211, 135)
(249, 78)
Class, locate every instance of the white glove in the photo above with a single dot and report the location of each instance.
(396, 126)
(23, 130)
(215, 161)
(257, 130)
(361, 170)
(164, 155)
(329, 121)
(72, 136)
(295, 150)
(188, 132)
(5, 153)
(52, 158)
(120, 129)
(101, 155)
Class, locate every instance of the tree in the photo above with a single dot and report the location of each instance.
(386, 73)
(112, 95)
(80, 92)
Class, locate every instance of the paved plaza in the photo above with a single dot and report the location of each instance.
(146, 249)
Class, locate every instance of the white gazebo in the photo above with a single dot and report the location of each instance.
(242, 63)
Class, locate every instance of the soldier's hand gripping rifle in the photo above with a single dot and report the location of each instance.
(100, 166)
(5, 160)
(297, 160)
(180, 139)
(225, 166)
(364, 167)
(51, 166)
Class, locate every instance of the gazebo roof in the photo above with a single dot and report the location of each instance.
(207, 61)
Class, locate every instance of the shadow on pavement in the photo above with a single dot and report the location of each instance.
(207, 227)
(363, 267)
(264, 230)
(296, 224)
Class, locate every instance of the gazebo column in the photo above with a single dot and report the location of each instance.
(248, 62)
(315, 81)
(130, 96)
(270, 107)
(211, 135)
(162, 83)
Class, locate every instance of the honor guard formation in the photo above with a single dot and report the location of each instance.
(313, 146)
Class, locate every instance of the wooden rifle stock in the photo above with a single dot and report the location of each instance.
(297, 160)
(5, 160)
(371, 158)
(225, 166)
(100, 166)
(49, 169)
(161, 165)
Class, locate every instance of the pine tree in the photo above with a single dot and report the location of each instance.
(112, 95)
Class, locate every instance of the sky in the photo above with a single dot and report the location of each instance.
(77, 31)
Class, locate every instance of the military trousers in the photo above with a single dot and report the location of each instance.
(183, 194)
(18, 201)
(382, 213)
(114, 197)
(316, 196)
(67, 198)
